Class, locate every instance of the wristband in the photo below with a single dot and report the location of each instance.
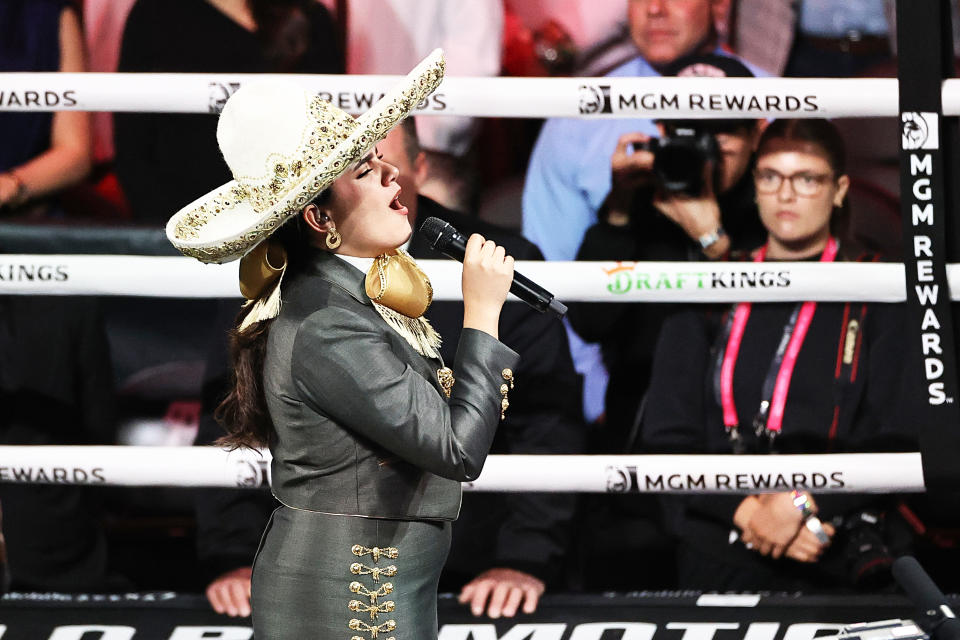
(802, 502)
(815, 527)
(711, 238)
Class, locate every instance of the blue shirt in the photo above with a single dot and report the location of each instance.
(569, 173)
(567, 180)
(838, 18)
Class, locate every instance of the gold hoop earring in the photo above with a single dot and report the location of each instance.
(333, 238)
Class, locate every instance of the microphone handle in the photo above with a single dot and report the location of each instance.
(522, 286)
(937, 617)
(535, 295)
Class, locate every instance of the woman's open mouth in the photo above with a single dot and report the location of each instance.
(396, 206)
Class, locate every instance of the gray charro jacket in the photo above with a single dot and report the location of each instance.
(362, 424)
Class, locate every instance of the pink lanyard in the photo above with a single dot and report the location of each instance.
(770, 415)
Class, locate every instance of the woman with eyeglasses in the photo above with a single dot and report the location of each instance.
(783, 377)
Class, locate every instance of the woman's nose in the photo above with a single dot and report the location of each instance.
(786, 192)
(656, 7)
(389, 174)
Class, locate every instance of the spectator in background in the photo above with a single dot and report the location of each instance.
(56, 388)
(165, 160)
(230, 522)
(42, 153)
(820, 38)
(507, 548)
(568, 37)
(712, 392)
(684, 209)
(814, 38)
(568, 177)
(103, 23)
(56, 385)
(642, 219)
(390, 36)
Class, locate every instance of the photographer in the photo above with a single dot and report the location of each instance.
(685, 196)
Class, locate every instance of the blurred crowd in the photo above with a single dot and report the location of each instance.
(613, 378)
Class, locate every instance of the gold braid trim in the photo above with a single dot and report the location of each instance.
(417, 332)
(376, 552)
(373, 609)
(358, 588)
(358, 569)
(373, 630)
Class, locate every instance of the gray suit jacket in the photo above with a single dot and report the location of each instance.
(362, 425)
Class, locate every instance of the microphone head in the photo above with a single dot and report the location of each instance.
(438, 233)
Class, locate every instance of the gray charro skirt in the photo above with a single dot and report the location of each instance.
(324, 576)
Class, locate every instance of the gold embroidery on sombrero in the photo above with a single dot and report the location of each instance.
(322, 158)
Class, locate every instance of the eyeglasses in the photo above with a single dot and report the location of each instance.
(803, 183)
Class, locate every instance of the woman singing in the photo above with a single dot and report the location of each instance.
(370, 433)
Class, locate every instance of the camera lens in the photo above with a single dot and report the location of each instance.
(679, 167)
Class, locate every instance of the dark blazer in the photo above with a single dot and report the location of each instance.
(527, 531)
(362, 424)
(56, 388)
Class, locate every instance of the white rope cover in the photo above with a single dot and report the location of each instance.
(482, 97)
(179, 277)
(213, 467)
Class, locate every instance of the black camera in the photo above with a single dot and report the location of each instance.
(680, 157)
(865, 551)
(684, 150)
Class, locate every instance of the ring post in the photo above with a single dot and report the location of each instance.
(926, 150)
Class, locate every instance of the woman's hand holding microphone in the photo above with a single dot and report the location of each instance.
(487, 275)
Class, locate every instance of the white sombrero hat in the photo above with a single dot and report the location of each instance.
(284, 146)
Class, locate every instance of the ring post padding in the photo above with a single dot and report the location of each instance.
(925, 56)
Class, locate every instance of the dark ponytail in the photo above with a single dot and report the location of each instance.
(244, 413)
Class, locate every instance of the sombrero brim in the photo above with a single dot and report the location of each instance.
(223, 225)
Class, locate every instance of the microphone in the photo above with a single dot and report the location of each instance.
(450, 242)
(937, 618)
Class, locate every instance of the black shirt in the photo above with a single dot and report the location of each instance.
(627, 332)
(683, 412)
(167, 160)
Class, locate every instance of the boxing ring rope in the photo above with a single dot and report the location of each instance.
(706, 282)
(178, 277)
(214, 467)
(602, 97)
(571, 281)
